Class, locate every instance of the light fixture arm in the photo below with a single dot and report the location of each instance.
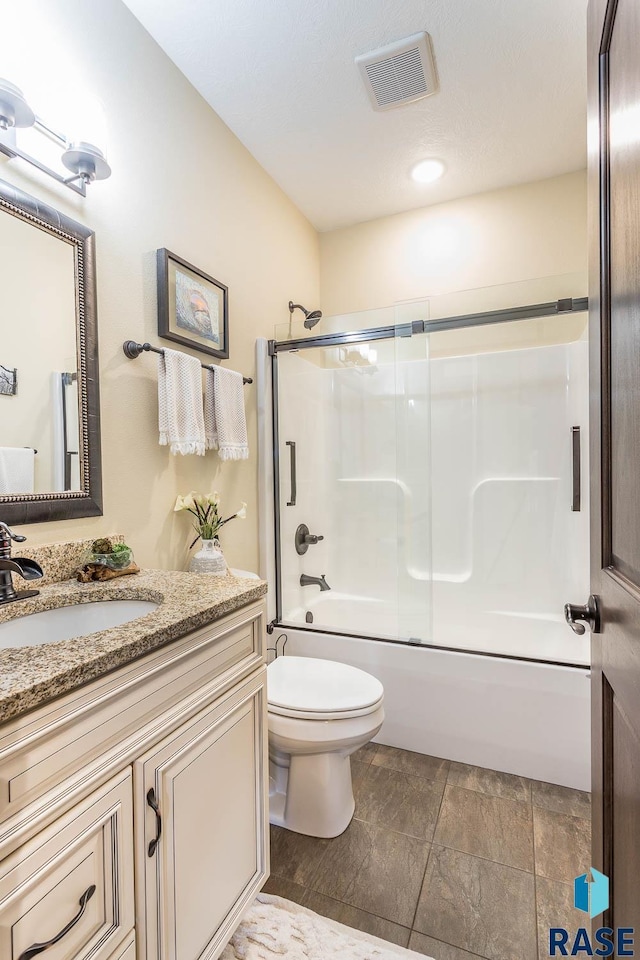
(12, 151)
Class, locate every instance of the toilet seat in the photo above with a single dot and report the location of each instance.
(322, 716)
(307, 688)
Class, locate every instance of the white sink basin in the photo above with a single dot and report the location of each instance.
(76, 620)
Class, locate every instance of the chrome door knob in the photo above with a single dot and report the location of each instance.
(577, 616)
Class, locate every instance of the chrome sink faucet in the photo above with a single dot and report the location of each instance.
(306, 581)
(25, 568)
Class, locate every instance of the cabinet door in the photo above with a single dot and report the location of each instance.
(125, 952)
(208, 781)
(69, 890)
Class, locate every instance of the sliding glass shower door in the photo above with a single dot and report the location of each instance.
(433, 481)
(354, 480)
(509, 486)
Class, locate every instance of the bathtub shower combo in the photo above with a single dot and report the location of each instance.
(430, 519)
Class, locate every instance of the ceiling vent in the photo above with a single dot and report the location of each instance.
(399, 73)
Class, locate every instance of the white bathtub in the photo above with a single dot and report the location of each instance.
(518, 716)
(456, 621)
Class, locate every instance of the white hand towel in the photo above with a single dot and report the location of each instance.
(225, 420)
(180, 412)
(17, 467)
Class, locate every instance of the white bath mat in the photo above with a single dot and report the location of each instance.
(277, 928)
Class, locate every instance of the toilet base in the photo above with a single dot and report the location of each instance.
(313, 795)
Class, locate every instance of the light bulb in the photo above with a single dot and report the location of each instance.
(427, 171)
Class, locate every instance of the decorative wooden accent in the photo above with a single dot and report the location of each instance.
(98, 571)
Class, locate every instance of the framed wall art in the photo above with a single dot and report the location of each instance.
(193, 308)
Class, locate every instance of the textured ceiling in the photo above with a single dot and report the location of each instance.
(510, 108)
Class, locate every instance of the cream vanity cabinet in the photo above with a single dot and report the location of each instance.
(133, 811)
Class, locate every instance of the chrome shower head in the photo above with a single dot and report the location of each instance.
(311, 316)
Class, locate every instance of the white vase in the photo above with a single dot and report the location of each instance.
(209, 559)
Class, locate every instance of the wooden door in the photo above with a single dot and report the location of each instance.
(614, 224)
(201, 794)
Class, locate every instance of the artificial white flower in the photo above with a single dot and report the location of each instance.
(205, 509)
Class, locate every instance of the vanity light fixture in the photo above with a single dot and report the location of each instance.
(427, 171)
(85, 161)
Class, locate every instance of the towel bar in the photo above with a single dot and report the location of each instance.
(132, 350)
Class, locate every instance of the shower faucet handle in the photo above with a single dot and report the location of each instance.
(304, 539)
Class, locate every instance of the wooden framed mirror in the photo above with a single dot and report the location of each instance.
(50, 458)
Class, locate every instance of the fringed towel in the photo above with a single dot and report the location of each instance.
(224, 416)
(180, 413)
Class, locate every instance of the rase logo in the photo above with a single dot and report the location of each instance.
(591, 896)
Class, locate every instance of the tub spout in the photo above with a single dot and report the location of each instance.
(306, 581)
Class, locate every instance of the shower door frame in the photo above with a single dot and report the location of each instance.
(393, 332)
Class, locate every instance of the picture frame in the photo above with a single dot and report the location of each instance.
(193, 307)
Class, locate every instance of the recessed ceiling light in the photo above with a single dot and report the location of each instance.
(427, 171)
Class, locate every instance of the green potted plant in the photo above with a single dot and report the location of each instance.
(106, 553)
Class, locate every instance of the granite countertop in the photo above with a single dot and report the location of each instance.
(30, 676)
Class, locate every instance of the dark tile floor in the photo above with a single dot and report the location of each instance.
(453, 861)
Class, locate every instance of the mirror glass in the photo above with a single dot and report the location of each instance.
(40, 440)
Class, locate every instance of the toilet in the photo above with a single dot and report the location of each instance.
(320, 712)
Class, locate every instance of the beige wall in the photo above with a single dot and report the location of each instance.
(180, 180)
(516, 234)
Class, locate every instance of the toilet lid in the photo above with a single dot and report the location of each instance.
(308, 686)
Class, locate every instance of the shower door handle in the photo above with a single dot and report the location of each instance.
(292, 465)
(575, 469)
(577, 615)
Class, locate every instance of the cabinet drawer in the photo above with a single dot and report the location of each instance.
(73, 883)
(100, 727)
